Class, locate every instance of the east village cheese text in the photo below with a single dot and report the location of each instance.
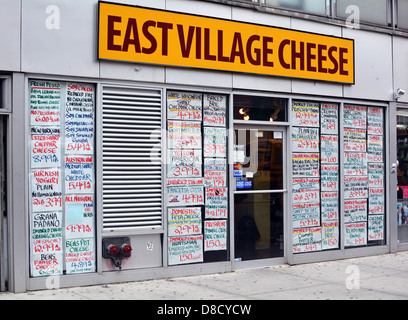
(141, 35)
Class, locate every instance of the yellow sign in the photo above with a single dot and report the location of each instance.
(136, 34)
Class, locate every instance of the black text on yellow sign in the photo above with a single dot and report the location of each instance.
(135, 34)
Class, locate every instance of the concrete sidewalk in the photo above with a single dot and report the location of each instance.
(368, 278)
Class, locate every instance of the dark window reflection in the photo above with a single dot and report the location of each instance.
(259, 108)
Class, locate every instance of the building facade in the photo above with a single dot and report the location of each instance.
(161, 138)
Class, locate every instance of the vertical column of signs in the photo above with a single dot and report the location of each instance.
(62, 221)
(364, 175)
(185, 182)
(79, 179)
(329, 145)
(46, 222)
(215, 173)
(315, 176)
(197, 193)
(376, 185)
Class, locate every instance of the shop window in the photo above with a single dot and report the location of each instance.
(315, 6)
(260, 108)
(371, 11)
(316, 155)
(62, 178)
(197, 179)
(402, 14)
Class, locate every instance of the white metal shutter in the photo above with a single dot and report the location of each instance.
(132, 170)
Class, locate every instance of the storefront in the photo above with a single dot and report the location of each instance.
(166, 141)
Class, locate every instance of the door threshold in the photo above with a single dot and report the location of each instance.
(258, 264)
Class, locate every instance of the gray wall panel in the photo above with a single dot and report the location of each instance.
(131, 71)
(373, 66)
(157, 4)
(264, 83)
(316, 87)
(198, 77)
(401, 66)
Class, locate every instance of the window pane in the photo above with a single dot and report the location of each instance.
(374, 11)
(364, 173)
(315, 6)
(402, 14)
(258, 226)
(259, 108)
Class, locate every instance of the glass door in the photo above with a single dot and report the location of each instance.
(258, 174)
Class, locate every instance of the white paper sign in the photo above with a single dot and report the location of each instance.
(184, 163)
(79, 216)
(306, 190)
(330, 235)
(355, 234)
(305, 114)
(79, 178)
(80, 255)
(186, 249)
(305, 139)
(307, 240)
(45, 147)
(184, 135)
(329, 119)
(188, 191)
(79, 119)
(375, 121)
(215, 110)
(45, 101)
(215, 142)
(216, 203)
(375, 227)
(184, 106)
(215, 235)
(184, 221)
